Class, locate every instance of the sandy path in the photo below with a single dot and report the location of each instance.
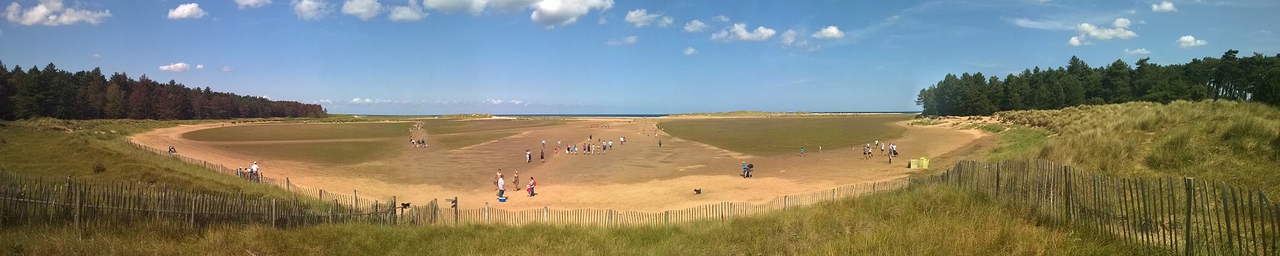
(636, 176)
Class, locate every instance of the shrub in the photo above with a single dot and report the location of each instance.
(98, 167)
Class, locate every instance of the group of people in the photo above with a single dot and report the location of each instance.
(250, 173)
(868, 150)
(501, 183)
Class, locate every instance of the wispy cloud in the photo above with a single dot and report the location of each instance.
(1040, 24)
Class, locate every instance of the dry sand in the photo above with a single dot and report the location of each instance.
(636, 176)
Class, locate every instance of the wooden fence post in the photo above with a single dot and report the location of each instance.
(1066, 193)
(486, 212)
(1188, 183)
(191, 222)
(79, 206)
(784, 202)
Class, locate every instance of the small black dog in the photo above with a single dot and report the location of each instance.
(697, 191)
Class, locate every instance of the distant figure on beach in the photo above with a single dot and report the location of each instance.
(515, 178)
(801, 151)
(751, 168)
(744, 169)
(544, 143)
(659, 143)
(542, 155)
(528, 156)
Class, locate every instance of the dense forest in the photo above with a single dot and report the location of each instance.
(1254, 78)
(90, 95)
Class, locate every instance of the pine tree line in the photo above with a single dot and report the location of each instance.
(1254, 78)
(90, 95)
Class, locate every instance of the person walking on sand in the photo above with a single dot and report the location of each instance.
(528, 156)
(544, 143)
(744, 169)
(532, 184)
(802, 151)
(542, 155)
(515, 178)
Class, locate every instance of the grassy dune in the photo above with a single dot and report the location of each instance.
(931, 220)
(56, 149)
(785, 135)
(1235, 142)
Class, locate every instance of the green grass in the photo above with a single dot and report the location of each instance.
(452, 126)
(931, 220)
(333, 153)
(273, 132)
(454, 134)
(35, 149)
(1235, 142)
(785, 135)
(1017, 142)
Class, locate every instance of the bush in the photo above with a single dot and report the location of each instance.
(99, 167)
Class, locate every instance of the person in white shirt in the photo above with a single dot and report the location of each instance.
(502, 186)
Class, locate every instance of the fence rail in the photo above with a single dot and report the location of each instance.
(1185, 215)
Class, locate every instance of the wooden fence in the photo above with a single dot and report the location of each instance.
(79, 203)
(1185, 215)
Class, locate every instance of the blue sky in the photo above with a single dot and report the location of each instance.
(606, 56)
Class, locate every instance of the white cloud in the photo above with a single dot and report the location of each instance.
(412, 12)
(1165, 6)
(52, 13)
(227, 69)
(641, 17)
(1189, 41)
(473, 7)
(551, 13)
(788, 37)
(1121, 23)
(311, 9)
(1040, 24)
(1131, 11)
(362, 9)
(623, 41)
(186, 11)
(1086, 31)
(602, 20)
(96, 56)
(361, 101)
(695, 26)
(690, 51)
(199, 66)
(720, 18)
(666, 21)
(739, 32)
(176, 67)
(245, 4)
(1139, 51)
(828, 32)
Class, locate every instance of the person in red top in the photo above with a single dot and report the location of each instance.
(532, 184)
